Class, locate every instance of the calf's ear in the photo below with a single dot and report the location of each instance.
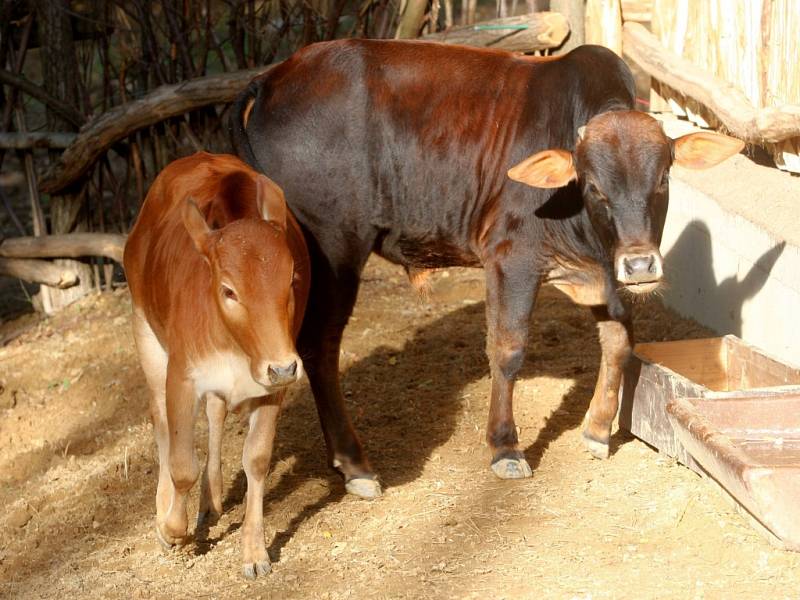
(546, 169)
(196, 225)
(270, 201)
(704, 149)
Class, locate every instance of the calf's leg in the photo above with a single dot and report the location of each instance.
(332, 297)
(511, 290)
(256, 457)
(616, 341)
(183, 466)
(211, 486)
(154, 364)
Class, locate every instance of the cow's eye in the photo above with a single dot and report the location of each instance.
(592, 189)
(229, 294)
(664, 184)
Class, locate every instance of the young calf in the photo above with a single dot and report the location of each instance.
(219, 275)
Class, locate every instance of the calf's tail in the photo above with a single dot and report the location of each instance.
(237, 124)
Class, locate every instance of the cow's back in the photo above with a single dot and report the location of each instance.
(162, 266)
(409, 142)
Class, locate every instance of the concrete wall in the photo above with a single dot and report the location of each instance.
(732, 256)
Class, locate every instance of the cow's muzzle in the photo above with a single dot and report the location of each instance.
(640, 272)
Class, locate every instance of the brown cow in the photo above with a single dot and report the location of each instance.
(215, 316)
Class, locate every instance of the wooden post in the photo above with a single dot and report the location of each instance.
(575, 13)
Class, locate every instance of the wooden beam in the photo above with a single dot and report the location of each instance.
(525, 33)
(38, 271)
(36, 139)
(70, 245)
(727, 102)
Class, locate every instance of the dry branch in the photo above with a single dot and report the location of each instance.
(31, 139)
(38, 271)
(71, 245)
(542, 31)
(62, 108)
(727, 102)
(166, 101)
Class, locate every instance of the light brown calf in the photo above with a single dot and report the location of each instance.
(218, 272)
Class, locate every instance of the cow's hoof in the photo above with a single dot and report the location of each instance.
(595, 448)
(257, 569)
(363, 487)
(512, 468)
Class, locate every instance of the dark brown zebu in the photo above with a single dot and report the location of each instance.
(432, 156)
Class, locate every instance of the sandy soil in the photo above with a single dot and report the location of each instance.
(77, 472)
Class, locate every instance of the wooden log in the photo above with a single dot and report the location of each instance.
(36, 139)
(166, 101)
(725, 101)
(72, 245)
(38, 271)
(525, 33)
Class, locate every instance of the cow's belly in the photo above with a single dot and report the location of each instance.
(425, 251)
(585, 285)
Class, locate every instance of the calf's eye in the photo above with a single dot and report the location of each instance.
(229, 294)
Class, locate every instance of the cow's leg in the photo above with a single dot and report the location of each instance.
(511, 288)
(154, 364)
(256, 457)
(616, 341)
(183, 465)
(333, 295)
(211, 487)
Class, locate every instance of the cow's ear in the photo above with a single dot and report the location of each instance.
(270, 201)
(546, 169)
(196, 225)
(704, 149)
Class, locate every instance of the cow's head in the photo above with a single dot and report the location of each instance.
(253, 276)
(621, 163)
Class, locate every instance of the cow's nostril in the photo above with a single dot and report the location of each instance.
(284, 374)
(652, 266)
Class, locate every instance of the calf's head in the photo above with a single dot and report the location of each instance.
(252, 276)
(621, 163)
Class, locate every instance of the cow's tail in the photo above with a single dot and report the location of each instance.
(237, 123)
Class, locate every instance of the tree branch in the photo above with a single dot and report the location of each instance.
(62, 108)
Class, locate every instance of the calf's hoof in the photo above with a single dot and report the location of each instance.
(512, 468)
(256, 569)
(363, 487)
(167, 541)
(596, 448)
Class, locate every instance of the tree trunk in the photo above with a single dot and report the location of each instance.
(62, 81)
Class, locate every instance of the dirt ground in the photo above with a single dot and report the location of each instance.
(78, 472)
